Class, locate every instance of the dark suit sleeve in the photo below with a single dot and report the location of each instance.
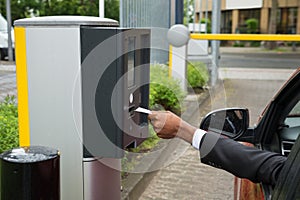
(240, 160)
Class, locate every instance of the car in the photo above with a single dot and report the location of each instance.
(277, 130)
(4, 38)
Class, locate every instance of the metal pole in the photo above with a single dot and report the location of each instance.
(101, 8)
(8, 17)
(121, 13)
(179, 12)
(194, 20)
(200, 15)
(200, 11)
(216, 17)
(206, 15)
(187, 13)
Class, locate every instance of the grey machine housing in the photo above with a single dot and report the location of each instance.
(85, 78)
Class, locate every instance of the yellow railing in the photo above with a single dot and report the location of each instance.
(253, 37)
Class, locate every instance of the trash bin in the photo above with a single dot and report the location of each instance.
(30, 173)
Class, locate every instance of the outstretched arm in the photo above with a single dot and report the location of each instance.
(240, 160)
(217, 151)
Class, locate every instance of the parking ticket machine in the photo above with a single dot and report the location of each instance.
(79, 81)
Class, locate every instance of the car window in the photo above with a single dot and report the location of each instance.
(293, 118)
(296, 109)
(288, 183)
(290, 130)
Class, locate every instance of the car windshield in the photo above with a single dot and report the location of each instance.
(293, 117)
(3, 23)
(296, 110)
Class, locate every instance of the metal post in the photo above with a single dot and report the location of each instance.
(187, 13)
(121, 14)
(194, 13)
(8, 17)
(179, 12)
(200, 11)
(101, 8)
(206, 15)
(216, 17)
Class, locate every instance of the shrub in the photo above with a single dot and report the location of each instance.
(239, 44)
(9, 137)
(164, 90)
(148, 144)
(197, 74)
(252, 25)
(208, 22)
(255, 44)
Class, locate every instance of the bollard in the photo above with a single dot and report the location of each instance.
(29, 173)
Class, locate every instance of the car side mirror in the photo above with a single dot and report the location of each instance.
(231, 122)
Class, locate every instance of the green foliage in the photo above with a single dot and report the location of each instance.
(197, 74)
(297, 44)
(149, 143)
(208, 22)
(129, 163)
(28, 8)
(239, 44)
(9, 137)
(188, 14)
(255, 44)
(112, 9)
(164, 91)
(252, 25)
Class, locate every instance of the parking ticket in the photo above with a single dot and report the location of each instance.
(143, 110)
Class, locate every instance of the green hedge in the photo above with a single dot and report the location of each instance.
(9, 132)
(208, 24)
(197, 74)
(165, 92)
(252, 25)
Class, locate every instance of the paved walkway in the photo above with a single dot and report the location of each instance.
(7, 84)
(187, 178)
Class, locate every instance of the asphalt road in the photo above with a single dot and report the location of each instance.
(260, 60)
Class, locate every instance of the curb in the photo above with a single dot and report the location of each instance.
(136, 183)
(7, 66)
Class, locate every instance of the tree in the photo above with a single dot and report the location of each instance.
(188, 11)
(112, 9)
(273, 23)
(28, 8)
(19, 8)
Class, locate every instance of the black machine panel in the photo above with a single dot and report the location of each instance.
(114, 78)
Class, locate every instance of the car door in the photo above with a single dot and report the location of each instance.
(288, 184)
(280, 125)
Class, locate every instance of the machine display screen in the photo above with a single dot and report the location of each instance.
(131, 60)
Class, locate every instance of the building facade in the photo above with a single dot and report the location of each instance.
(234, 15)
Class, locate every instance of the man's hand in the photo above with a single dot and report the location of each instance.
(168, 125)
(165, 123)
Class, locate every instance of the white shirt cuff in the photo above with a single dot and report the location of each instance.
(198, 135)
